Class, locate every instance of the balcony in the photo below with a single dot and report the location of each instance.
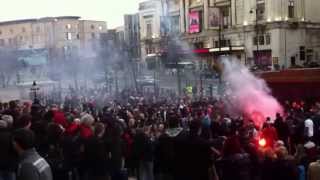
(195, 3)
(220, 2)
(147, 5)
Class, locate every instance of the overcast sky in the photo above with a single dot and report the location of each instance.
(111, 11)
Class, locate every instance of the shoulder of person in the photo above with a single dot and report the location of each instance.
(27, 171)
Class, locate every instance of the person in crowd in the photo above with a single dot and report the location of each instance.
(12, 110)
(163, 138)
(193, 155)
(234, 159)
(309, 127)
(24, 122)
(96, 152)
(86, 126)
(314, 170)
(284, 165)
(269, 133)
(145, 153)
(31, 165)
(7, 157)
(282, 129)
(165, 149)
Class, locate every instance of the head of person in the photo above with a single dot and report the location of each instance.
(23, 122)
(87, 120)
(12, 104)
(131, 123)
(23, 140)
(282, 152)
(173, 121)
(8, 119)
(99, 129)
(195, 127)
(161, 127)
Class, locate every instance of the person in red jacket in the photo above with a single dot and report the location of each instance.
(86, 126)
(269, 133)
(59, 118)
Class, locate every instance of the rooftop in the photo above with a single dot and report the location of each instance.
(21, 21)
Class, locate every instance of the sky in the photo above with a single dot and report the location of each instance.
(111, 11)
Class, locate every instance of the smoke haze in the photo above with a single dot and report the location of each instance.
(247, 93)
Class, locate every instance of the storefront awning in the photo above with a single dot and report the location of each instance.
(224, 49)
(196, 51)
(201, 50)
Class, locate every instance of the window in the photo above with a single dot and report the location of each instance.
(291, 9)
(255, 40)
(216, 44)
(68, 36)
(175, 24)
(261, 40)
(1, 42)
(302, 53)
(293, 61)
(78, 36)
(92, 26)
(11, 31)
(0, 32)
(226, 16)
(38, 39)
(268, 39)
(93, 35)
(68, 26)
(198, 45)
(23, 29)
(225, 42)
(37, 29)
(149, 30)
(260, 11)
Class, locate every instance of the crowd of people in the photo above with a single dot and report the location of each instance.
(166, 139)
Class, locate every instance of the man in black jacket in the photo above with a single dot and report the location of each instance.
(7, 157)
(192, 155)
(166, 164)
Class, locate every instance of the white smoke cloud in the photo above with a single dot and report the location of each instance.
(248, 93)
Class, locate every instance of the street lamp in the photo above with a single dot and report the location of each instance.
(34, 90)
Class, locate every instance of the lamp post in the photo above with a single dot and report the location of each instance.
(34, 90)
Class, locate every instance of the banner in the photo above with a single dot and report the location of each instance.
(194, 22)
(214, 17)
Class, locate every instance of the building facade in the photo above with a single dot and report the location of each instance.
(268, 34)
(132, 35)
(52, 32)
(50, 40)
(150, 14)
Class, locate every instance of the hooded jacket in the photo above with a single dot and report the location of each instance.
(33, 167)
(165, 150)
